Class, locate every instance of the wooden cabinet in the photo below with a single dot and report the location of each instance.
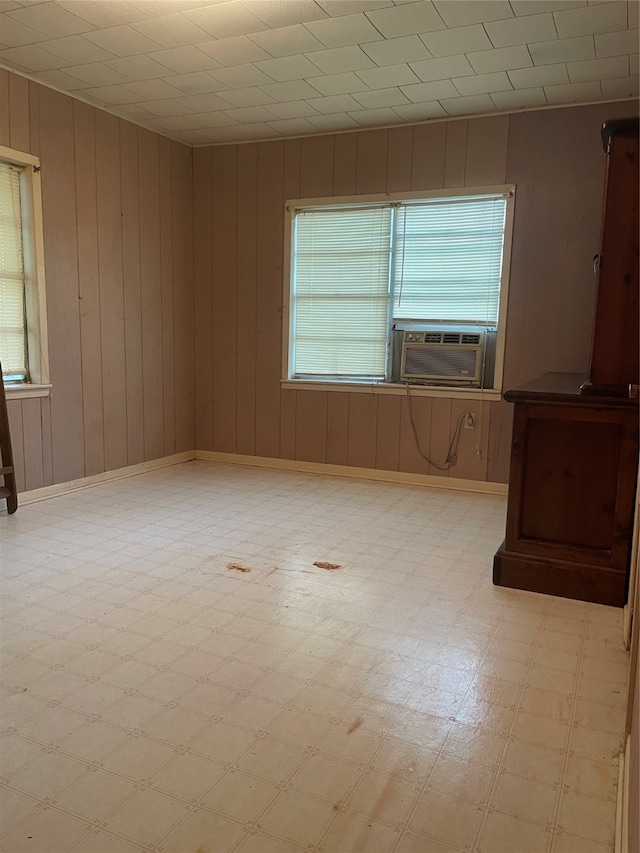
(571, 492)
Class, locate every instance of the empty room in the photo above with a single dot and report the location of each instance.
(319, 426)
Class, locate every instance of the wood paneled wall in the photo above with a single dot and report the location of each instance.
(118, 237)
(554, 157)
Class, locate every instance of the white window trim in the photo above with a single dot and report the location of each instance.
(450, 392)
(35, 293)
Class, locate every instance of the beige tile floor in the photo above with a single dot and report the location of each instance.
(154, 700)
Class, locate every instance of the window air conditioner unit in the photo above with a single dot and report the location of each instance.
(444, 354)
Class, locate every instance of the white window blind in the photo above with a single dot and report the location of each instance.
(12, 311)
(449, 260)
(340, 291)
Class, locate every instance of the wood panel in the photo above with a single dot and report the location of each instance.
(311, 426)
(5, 109)
(19, 112)
(499, 447)
(32, 444)
(130, 218)
(89, 288)
(399, 159)
(388, 432)
(371, 164)
(361, 440)
(455, 159)
(337, 427)
(203, 273)
(114, 379)
(429, 144)
(246, 325)
(486, 151)
(14, 413)
(167, 297)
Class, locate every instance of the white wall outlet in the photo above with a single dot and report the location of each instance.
(470, 420)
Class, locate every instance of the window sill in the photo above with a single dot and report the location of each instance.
(23, 392)
(398, 389)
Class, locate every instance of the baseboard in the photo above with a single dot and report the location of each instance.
(359, 473)
(43, 494)
(622, 802)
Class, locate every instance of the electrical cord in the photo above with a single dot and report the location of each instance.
(452, 453)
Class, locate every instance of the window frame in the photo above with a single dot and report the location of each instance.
(384, 387)
(38, 383)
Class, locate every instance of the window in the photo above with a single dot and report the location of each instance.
(22, 303)
(371, 274)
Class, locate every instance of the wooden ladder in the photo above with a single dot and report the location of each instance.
(7, 491)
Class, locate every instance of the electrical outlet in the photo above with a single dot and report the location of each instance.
(470, 420)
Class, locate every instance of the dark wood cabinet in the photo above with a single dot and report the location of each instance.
(571, 492)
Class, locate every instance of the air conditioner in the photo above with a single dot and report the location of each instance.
(444, 354)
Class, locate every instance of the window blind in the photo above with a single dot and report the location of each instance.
(341, 291)
(12, 311)
(449, 260)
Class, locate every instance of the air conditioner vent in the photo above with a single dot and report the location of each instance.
(449, 338)
(470, 339)
(432, 337)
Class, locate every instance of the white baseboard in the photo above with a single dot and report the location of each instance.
(360, 473)
(47, 492)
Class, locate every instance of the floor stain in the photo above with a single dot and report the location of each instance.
(271, 571)
(336, 807)
(235, 567)
(355, 725)
(330, 567)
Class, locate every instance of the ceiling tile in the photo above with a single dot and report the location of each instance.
(76, 50)
(30, 57)
(50, 19)
(407, 19)
(292, 109)
(196, 83)
(562, 50)
(153, 90)
(536, 7)
(122, 41)
(249, 97)
(633, 65)
(259, 130)
(241, 76)
(96, 74)
(519, 99)
(479, 84)
(166, 7)
(393, 51)
(60, 80)
(171, 30)
(374, 118)
(198, 137)
(134, 112)
(430, 91)
(292, 90)
(235, 51)
(102, 14)
(335, 104)
(605, 18)
(473, 11)
(338, 59)
(287, 41)
(381, 98)
(573, 93)
(184, 60)
(336, 121)
(138, 67)
(460, 40)
(214, 119)
(521, 30)
(420, 112)
(174, 123)
(249, 115)
(169, 107)
(500, 59)
(442, 69)
(112, 95)
(202, 103)
(621, 87)
(390, 75)
(617, 44)
(292, 126)
(633, 16)
(288, 68)
(226, 20)
(541, 75)
(15, 34)
(341, 32)
(468, 106)
(598, 69)
(283, 13)
(335, 84)
(337, 8)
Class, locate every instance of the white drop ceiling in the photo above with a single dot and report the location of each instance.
(206, 71)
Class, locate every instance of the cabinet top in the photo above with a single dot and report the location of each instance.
(563, 388)
(618, 127)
